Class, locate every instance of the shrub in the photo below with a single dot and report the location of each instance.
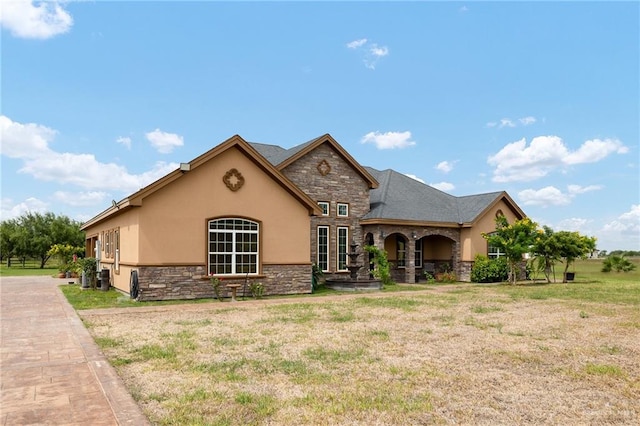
(617, 263)
(216, 283)
(257, 290)
(487, 270)
(382, 269)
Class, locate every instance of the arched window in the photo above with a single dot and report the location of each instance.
(233, 246)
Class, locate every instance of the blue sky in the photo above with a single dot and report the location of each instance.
(538, 99)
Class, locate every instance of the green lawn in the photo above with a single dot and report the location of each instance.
(19, 271)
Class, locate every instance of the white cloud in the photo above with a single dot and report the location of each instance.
(389, 140)
(10, 210)
(573, 224)
(28, 19)
(444, 166)
(164, 142)
(357, 43)
(125, 141)
(414, 177)
(84, 171)
(628, 222)
(81, 199)
(595, 150)
(463, 9)
(552, 196)
(577, 189)
(443, 186)
(507, 122)
(371, 52)
(547, 196)
(525, 121)
(30, 143)
(378, 51)
(24, 140)
(519, 162)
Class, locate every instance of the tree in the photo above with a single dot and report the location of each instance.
(33, 235)
(8, 233)
(514, 240)
(572, 246)
(546, 251)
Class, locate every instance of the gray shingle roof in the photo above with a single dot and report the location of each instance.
(403, 198)
(276, 154)
(399, 196)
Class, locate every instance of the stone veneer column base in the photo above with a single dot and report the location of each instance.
(465, 271)
(192, 282)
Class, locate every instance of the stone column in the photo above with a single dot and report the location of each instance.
(410, 261)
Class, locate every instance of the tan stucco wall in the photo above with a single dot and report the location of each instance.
(437, 248)
(173, 220)
(128, 226)
(472, 242)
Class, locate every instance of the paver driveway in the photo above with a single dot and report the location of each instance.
(51, 371)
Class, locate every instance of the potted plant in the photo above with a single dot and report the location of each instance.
(89, 271)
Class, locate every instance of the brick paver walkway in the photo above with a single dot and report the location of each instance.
(51, 371)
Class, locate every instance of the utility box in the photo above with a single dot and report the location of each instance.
(104, 279)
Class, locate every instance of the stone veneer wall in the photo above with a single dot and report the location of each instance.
(192, 282)
(465, 271)
(342, 184)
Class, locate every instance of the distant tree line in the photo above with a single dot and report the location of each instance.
(32, 235)
(619, 253)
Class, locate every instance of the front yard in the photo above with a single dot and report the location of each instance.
(471, 354)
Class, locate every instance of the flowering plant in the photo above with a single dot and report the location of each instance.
(217, 286)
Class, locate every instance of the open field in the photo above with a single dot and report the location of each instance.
(470, 354)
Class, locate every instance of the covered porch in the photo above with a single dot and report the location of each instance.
(414, 250)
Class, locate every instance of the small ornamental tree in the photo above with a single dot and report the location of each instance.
(514, 240)
(546, 251)
(572, 246)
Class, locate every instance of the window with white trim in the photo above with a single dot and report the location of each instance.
(419, 253)
(343, 242)
(233, 246)
(325, 207)
(401, 252)
(494, 252)
(323, 248)
(343, 209)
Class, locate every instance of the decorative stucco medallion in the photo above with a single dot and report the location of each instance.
(233, 179)
(324, 168)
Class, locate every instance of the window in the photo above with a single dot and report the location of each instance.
(419, 254)
(494, 252)
(107, 245)
(116, 245)
(401, 252)
(323, 248)
(343, 238)
(325, 208)
(233, 246)
(343, 209)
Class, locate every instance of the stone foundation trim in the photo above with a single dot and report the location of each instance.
(192, 282)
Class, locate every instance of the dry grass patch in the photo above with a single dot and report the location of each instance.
(478, 356)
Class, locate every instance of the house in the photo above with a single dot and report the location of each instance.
(249, 212)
